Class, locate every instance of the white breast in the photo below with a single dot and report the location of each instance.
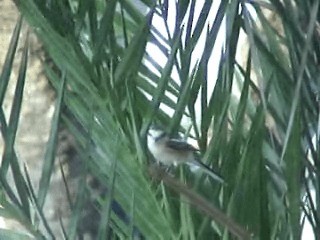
(160, 152)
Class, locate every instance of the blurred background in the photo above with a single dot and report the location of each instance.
(82, 81)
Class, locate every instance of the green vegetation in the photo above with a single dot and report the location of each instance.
(260, 143)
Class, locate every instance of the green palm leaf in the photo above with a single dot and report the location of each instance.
(257, 142)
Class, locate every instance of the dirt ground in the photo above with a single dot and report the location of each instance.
(36, 114)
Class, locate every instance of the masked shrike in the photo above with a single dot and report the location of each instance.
(170, 151)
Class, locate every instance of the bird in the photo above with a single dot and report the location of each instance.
(173, 151)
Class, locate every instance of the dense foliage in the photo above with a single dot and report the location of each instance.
(265, 142)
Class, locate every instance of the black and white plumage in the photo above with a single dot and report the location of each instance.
(169, 151)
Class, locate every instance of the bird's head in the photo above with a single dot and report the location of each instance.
(156, 134)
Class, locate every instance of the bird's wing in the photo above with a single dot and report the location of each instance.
(180, 145)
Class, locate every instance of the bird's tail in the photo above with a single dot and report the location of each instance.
(208, 171)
